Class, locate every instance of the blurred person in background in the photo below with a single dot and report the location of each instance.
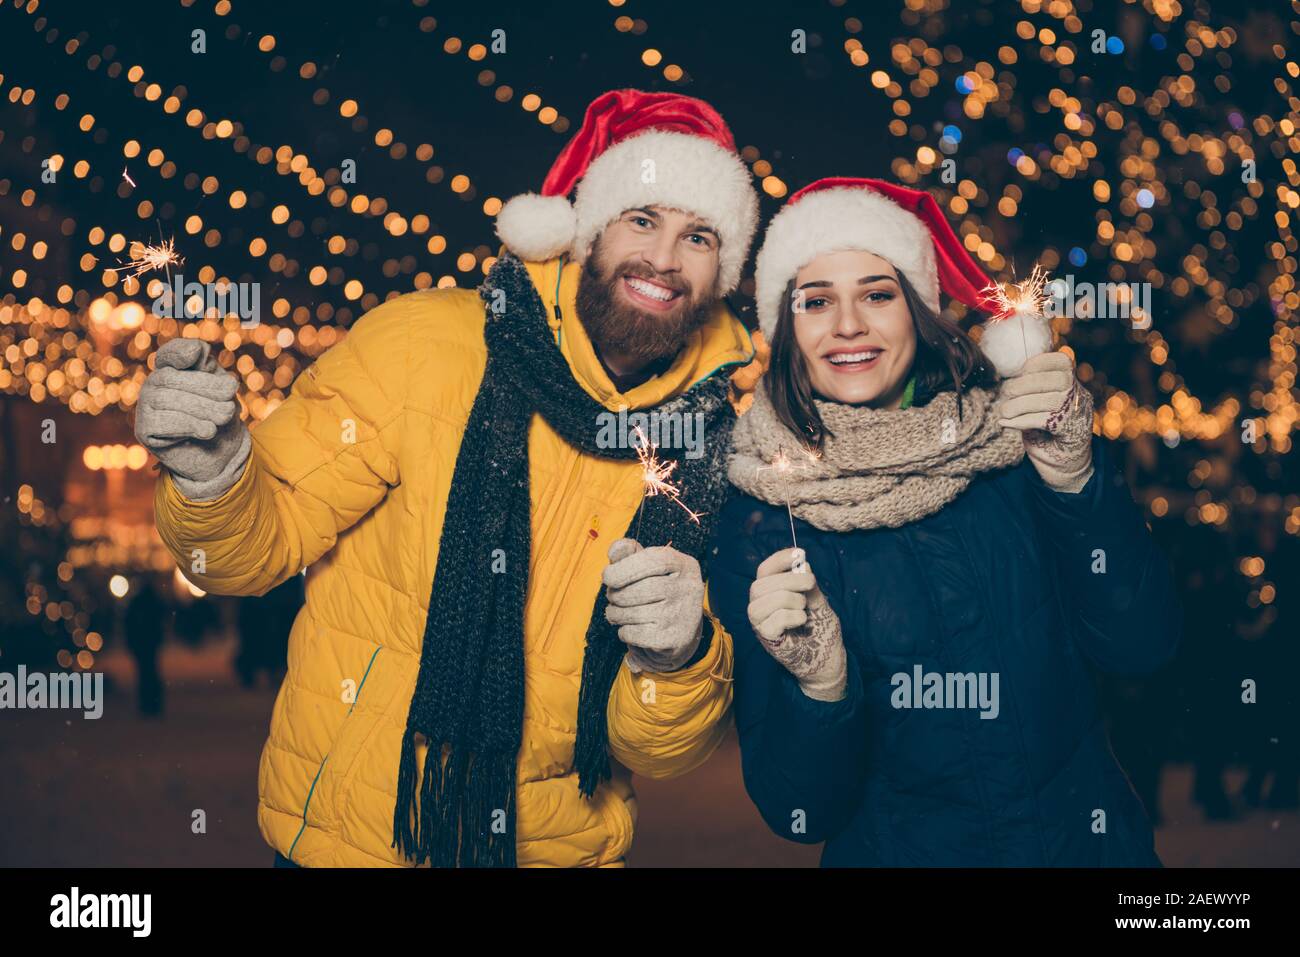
(145, 623)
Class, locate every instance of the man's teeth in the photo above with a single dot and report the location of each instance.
(844, 357)
(651, 290)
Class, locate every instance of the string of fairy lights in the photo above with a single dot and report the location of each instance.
(88, 347)
(129, 315)
(289, 161)
(106, 318)
(108, 311)
(1121, 414)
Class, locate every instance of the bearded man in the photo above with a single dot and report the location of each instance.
(481, 634)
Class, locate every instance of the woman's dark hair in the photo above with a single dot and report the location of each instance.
(946, 358)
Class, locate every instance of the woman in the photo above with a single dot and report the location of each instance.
(912, 682)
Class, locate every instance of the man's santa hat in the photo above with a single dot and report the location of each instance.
(634, 150)
(907, 228)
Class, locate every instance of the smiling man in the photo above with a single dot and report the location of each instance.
(480, 636)
(642, 293)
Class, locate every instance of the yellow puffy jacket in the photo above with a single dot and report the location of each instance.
(349, 478)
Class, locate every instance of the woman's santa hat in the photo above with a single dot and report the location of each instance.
(634, 150)
(907, 228)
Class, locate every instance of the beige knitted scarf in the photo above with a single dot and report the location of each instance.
(879, 467)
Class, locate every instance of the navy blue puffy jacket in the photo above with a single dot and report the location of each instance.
(1005, 579)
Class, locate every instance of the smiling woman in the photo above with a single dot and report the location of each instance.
(853, 329)
(938, 543)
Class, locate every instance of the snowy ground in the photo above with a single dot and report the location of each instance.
(121, 791)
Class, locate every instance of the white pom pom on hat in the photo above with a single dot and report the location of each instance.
(634, 150)
(907, 228)
(537, 227)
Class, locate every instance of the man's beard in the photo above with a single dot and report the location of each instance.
(616, 327)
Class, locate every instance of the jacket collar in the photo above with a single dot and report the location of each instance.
(722, 342)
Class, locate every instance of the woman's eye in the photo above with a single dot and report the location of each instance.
(879, 296)
(815, 303)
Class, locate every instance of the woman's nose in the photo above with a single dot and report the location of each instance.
(849, 321)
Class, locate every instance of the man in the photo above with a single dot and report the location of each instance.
(456, 679)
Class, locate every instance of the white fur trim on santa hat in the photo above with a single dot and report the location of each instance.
(1011, 342)
(537, 227)
(655, 168)
(835, 219)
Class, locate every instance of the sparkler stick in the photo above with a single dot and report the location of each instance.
(657, 478)
(783, 465)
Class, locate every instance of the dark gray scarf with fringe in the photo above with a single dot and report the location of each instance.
(469, 696)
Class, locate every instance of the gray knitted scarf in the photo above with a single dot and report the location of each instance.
(880, 468)
(468, 703)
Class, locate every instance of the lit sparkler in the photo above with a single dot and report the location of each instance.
(149, 257)
(783, 465)
(1029, 297)
(127, 176)
(656, 475)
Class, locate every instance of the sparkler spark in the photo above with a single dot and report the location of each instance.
(1028, 295)
(656, 476)
(127, 177)
(149, 257)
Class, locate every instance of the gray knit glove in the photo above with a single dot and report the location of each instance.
(1045, 401)
(188, 416)
(656, 598)
(797, 626)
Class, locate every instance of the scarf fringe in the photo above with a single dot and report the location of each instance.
(459, 820)
(405, 838)
(600, 663)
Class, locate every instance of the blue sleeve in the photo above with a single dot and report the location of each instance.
(803, 760)
(1114, 578)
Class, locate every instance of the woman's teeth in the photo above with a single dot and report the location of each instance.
(651, 290)
(843, 358)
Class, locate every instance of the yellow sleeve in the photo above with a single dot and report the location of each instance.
(664, 725)
(319, 463)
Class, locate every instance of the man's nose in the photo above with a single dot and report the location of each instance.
(661, 253)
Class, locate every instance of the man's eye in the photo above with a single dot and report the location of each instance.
(640, 221)
(698, 239)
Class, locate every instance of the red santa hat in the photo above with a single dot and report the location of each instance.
(638, 149)
(907, 228)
